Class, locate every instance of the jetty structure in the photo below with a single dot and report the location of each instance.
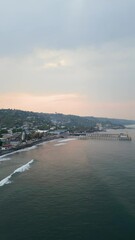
(106, 136)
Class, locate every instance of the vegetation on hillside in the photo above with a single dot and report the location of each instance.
(15, 119)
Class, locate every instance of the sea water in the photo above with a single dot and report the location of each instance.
(69, 190)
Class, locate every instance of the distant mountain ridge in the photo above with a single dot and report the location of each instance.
(115, 120)
(16, 118)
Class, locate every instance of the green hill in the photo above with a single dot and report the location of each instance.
(10, 118)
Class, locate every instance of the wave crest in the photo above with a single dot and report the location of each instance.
(5, 181)
(23, 168)
(59, 144)
(4, 159)
(67, 140)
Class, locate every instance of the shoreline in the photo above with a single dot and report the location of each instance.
(26, 146)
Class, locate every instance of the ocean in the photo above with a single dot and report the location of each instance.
(69, 190)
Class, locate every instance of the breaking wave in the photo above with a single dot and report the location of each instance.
(67, 140)
(42, 143)
(20, 150)
(26, 149)
(59, 144)
(21, 169)
(4, 159)
(5, 181)
(24, 167)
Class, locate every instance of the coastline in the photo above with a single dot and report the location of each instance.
(26, 146)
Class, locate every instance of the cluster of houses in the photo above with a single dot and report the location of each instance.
(11, 140)
(27, 135)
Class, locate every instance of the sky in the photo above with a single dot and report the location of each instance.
(72, 57)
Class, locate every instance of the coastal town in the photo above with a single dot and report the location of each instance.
(13, 141)
(20, 129)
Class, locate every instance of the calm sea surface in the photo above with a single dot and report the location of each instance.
(72, 190)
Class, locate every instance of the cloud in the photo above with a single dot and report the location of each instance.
(90, 81)
(103, 74)
(61, 63)
(50, 24)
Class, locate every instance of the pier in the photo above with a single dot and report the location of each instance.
(106, 136)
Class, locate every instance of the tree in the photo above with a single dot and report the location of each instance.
(0, 143)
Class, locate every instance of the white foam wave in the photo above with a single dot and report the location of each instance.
(20, 169)
(7, 154)
(20, 150)
(4, 159)
(26, 149)
(5, 181)
(40, 144)
(24, 167)
(59, 144)
(67, 140)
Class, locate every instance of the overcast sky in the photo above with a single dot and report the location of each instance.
(72, 56)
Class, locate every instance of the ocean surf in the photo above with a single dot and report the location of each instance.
(21, 169)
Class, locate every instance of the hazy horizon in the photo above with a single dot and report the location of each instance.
(71, 57)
